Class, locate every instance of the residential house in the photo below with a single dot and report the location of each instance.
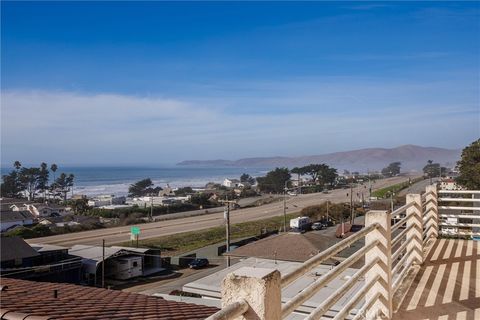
(121, 263)
(166, 192)
(38, 262)
(42, 210)
(232, 183)
(106, 200)
(11, 219)
(23, 299)
(298, 247)
(16, 253)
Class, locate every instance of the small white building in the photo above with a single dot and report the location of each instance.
(106, 200)
(449, 184)
(157, 201)
(232, 183)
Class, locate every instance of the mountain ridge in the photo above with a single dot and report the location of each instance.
(413, 157)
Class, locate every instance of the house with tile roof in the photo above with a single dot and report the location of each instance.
(21, 299)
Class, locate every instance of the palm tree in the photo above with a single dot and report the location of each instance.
(54, 168)
(17, 165)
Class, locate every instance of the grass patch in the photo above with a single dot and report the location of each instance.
(384, 192)
(187, 241)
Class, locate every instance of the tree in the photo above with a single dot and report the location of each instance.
(274, 181)
(140, 188)
(11, 186)
(30, 181)
(63, 184)
(313, 170)
(434, 169)
(43, 179)
(246, 178)
(320, 173)
(299, 172)
(392, 169)
(17, 165)
(469, 166)
(184, 191)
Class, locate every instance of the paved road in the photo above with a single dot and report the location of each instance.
(168, 227)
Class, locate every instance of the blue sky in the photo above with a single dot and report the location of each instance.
(158, 82)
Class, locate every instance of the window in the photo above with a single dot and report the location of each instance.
(135, 263)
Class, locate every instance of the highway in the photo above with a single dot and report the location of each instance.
(192, 223)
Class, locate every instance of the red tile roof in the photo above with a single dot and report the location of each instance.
(37, 301)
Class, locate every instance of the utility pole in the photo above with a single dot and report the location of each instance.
(285, 207)
(151, 208)
(227, 226)
(103, 263)
(391, 201)
(351, 204)
(327, 209)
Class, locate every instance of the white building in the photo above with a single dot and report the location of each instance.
(232, 183)
(106, 200)
(157, 201)
(449, 184)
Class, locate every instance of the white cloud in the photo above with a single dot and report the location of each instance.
(68, 127)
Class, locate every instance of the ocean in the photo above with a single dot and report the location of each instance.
(116, 180)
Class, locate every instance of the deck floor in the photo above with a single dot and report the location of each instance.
(447, 287)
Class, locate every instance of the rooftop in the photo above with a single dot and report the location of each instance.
(290, 247)
(10, 216)
(210, 286)
(81, 303)
(15, 248)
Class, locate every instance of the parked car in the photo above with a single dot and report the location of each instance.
(318, 226)
(198, 263)
(291, 193)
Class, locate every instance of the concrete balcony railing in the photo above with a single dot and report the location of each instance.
(391, 252)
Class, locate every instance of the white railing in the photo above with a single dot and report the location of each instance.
(389, 253)
(456, 217)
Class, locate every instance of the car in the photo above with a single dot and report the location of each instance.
(318, 226)
(290, 193)
(198, 263)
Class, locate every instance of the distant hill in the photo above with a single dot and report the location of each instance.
(412, 158)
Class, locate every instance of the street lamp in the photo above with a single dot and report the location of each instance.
(285, 206)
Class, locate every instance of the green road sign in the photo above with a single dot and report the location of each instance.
(135, 230)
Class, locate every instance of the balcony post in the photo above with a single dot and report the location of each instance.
(415, 234)
(431, 211)
(382, 307)
(261, 289)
